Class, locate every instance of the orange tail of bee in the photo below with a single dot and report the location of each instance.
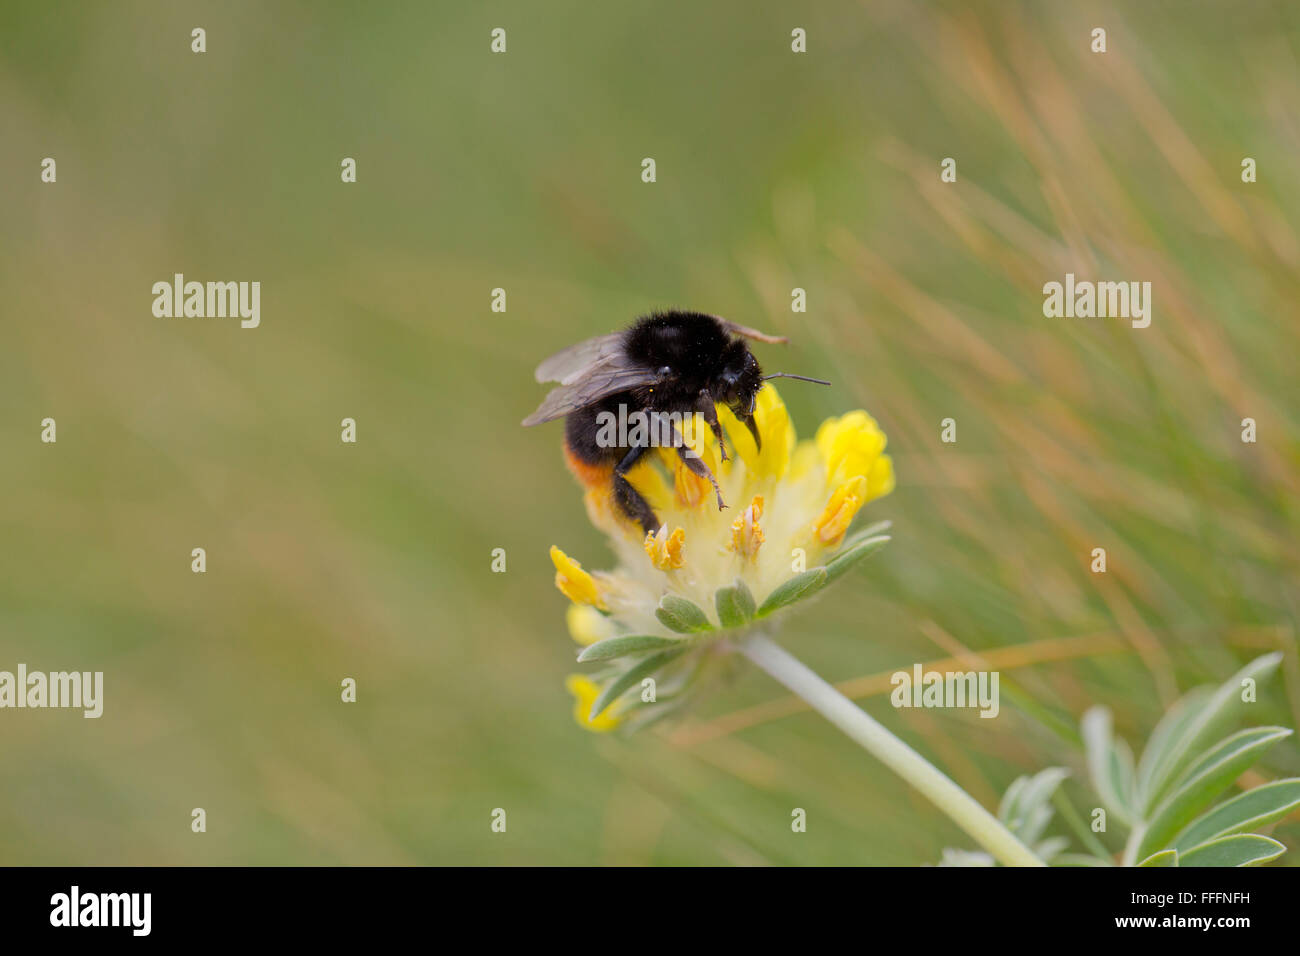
(592, 475)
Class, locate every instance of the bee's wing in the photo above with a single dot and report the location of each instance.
(749, 333)
(564, 366)
(589, 385)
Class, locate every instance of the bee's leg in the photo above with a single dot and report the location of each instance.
(628, 498)
(706, 408)
(693, 462)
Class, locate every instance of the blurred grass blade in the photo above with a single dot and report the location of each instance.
(1246, 811)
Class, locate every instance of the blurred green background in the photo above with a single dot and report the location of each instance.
(522, 171)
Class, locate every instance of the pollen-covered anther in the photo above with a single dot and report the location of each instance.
(746, 532)
(664, 549)
(839, 511)
(574, 583)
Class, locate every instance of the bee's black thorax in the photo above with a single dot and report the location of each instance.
(672, 366)
(696, 355)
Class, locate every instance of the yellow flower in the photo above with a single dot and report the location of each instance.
(574, 583)
(587, 625)
(853, 445)
(585, 691)
(796, 503)
(839, 511)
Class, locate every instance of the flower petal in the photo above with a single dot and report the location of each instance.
(850, 446)
(585, 691)
(838, 514)
(574, 583)
(587, 625)
(775, 428)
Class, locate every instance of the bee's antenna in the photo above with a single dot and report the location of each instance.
(802, 378)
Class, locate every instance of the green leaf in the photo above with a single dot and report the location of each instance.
(614, 690)
(735, 604)
(1034, 811)
(1110, 763)
(1205, 780)
(1011, 799)
(623, 645)
(1163, 858)
(863, 533)
(1243, 849)
(680, 615)
(1246, 811)
(1042, 786)
(1079, 859)
(1166, 733)
(848, 557)
(1025, 797)
(796, 589)
(1214, 715)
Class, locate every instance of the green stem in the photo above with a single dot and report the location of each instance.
(981, 825)
(1131, 847)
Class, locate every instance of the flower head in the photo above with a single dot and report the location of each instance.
(654, 623)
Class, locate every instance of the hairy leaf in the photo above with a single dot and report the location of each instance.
(796, 589)
(1246, 811)
(680, 615)
(1210, 719)
(628, 679)
(1243, 849)
(1110, 763)
(614, 647)
(1206, 779)
(848, 557)
(1163, 858)
(735, 604)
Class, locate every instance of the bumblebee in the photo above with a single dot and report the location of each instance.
(665, 364)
